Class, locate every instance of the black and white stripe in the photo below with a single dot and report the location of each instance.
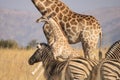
(81, 68)
(110, 66)
(114, 51)
(110, 70)
(72, 69)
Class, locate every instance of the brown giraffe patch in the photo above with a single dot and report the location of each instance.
(48, 10)
(71, 33)
(94, 24)
(89, 23)
(67, 25)
(95, 27)
(74, 29)
(69, 18)
(62, 8)
(92, 21)
(87, 28)
(41, 6)
(53, 6)
(57, 9)
(65, 18)
(65, 11)
(60, 16)
(41, 0)
(69, 15)
(73, 22)
(59, 4)
(47, 3)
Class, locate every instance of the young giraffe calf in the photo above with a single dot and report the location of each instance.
(60, 45)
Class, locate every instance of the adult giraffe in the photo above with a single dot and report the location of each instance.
(77, 27)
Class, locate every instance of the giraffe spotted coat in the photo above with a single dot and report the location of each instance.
(77, 27)
(60, 46)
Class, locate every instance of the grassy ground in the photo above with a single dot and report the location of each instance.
(14, 65)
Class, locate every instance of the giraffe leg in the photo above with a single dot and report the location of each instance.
(89, 43)
(89, 50)
(92, 49)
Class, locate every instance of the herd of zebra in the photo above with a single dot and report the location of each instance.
(78, 68)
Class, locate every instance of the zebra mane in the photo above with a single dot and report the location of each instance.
(114, 51)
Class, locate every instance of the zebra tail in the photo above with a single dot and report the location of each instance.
(100, 52)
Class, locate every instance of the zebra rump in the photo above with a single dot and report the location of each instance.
(114, 51)
(110, 70)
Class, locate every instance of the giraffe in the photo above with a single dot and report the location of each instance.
(60, 45)
(77, 27)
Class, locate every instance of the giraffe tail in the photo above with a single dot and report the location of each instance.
(100, 52)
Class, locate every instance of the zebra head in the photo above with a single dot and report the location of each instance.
(37, 56)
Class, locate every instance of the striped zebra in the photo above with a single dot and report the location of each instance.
(114, 51)
(107, 70)
(110, 70)
(71, 69)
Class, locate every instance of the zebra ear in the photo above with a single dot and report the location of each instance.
(39, 46)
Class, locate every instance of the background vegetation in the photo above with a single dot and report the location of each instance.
(12, 44)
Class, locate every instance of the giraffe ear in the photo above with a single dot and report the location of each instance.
(39, 46)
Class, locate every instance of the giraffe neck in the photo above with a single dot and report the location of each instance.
(57, 31)
(46, 7)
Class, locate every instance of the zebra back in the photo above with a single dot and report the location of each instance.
(81, 68)
(114, 51)
(110, 70)
(107, 69)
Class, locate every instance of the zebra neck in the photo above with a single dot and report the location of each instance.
(47, 56)
(54, 67)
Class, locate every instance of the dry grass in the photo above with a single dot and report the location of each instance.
(14, 65)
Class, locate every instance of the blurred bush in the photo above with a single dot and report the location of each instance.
(8, 44)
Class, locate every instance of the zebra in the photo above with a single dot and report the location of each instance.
(76, 68)
(108, 69)
(114, 51)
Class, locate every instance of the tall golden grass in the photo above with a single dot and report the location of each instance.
(14, 65)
